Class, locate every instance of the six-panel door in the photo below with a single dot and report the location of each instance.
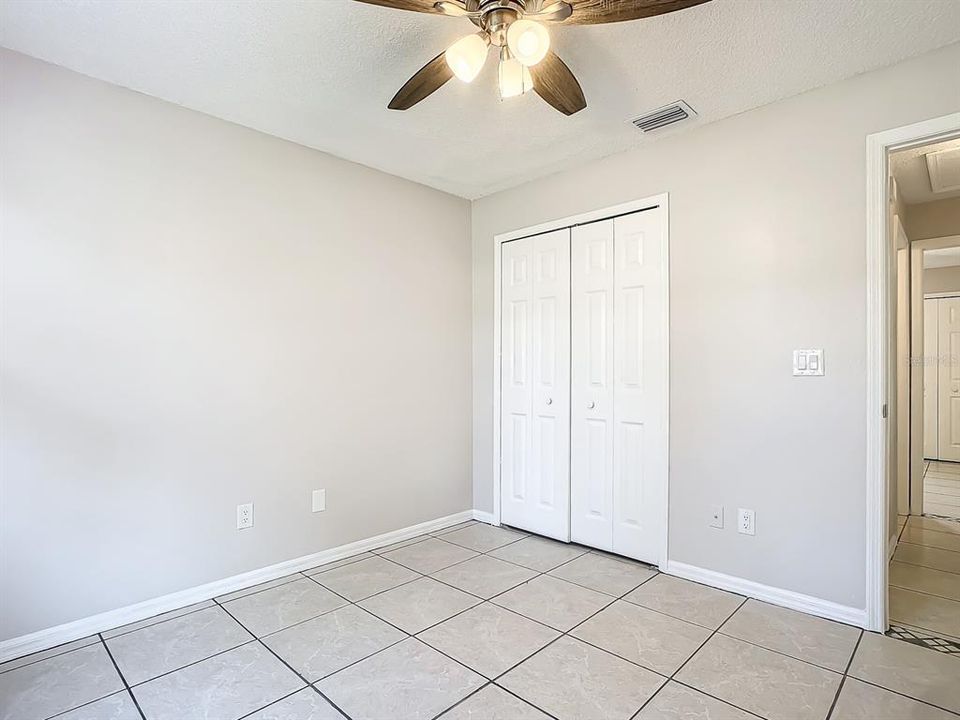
(618, 453)
(535, 384)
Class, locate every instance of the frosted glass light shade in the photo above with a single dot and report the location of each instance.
(466, 56)
(528, 41)
(514, 78)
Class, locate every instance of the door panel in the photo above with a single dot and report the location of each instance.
(640, 451)
(931, 441)
(535, 384)
(948, 317)
(591, 392)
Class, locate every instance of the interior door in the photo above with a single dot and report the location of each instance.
(948, 317)
(640, 393)
(931, 440)
(535, 384)
(591, 391)
(618, 395)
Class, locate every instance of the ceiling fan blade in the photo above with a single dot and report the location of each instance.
(551, 11)
(553, 81)
(425, 81)
(593, 12)
(425, 6)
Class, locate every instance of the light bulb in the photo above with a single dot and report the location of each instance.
(466, 56)
(528, 41)
(514, 78)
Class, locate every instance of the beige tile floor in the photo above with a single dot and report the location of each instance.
(941, 489)
(925, 576)
(476, 622)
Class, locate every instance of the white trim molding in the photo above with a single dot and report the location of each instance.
(878, 252)
(68, 632)
(776, 596)
(485, 517)
(648, 203)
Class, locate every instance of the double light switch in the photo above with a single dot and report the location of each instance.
(808, 362)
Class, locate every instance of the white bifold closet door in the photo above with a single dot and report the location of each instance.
(948, 317)
(618, 448)
(535, 384)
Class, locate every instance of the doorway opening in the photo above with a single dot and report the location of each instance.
(923, 441)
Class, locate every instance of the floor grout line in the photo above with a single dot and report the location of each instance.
(123, 679)
(610, 600)
(286, 664)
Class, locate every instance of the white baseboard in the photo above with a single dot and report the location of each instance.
(484, 517)
(776, 596)
(51, 637)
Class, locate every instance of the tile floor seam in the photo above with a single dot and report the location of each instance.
(904, 695)
(191, 664)
(781, 652)
(930, 547)
(559, 637)
(60, 714)
(693, 655)
(278, 700)
(158, 622)
(48, 657)
(379, 592)
(924, 592)
(287, 665)
(843, 679)
(286, 578)
(352, 559)
(123, 679)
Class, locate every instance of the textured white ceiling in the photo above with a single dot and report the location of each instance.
(321, 72)
(909, 168)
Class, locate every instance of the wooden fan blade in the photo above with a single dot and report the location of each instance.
(593, 12)
(425, 6)
(553, 81)
(425, 81)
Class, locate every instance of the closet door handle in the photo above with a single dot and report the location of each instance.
(549, 401)
(591, 405)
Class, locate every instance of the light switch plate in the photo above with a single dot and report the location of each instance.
(808, 362)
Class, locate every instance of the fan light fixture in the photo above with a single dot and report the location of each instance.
(517, 28)
(467, 55)
(514, 78)
(528, 41)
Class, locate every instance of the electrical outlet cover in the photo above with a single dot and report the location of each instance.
(244, 516)
(746, 522)
(716, 517)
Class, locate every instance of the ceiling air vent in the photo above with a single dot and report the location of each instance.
(664, 116)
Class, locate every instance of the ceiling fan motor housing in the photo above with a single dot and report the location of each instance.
(497, 15)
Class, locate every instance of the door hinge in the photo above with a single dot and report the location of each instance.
(884, 411)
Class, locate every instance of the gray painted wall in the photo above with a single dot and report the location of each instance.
(197, 315)
(767, 254)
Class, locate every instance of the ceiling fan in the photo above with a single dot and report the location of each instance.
(515, 28)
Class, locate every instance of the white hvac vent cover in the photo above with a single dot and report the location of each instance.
(664, 116)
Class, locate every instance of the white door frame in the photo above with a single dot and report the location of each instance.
(646, 203)
(878, 363)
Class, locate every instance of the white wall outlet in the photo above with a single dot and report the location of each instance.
(746, 522)
(244, 516)
(716, 517)
(319, 500)
(808, 362)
